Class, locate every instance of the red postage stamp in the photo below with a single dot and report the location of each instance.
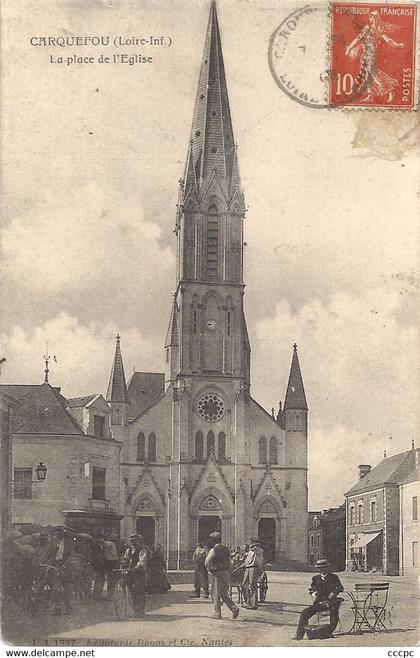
(373, 50)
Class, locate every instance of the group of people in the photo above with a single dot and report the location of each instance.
(222, 565)
(75, 565)
(244, 566)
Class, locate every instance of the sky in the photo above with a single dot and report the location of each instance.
(91, 159)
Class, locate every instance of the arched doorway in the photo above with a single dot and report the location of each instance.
(267, 529)
(267, 537)
(210, 518)
(146, 521)
(207, 525)
(145, 526)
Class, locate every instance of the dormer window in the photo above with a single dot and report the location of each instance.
(99, 427)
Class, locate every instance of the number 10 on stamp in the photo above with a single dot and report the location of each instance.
(373, 49)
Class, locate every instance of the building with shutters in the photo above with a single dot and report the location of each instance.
(199, 453)
(381, 516)
(73, 439)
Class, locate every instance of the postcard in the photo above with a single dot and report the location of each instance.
(209, 324)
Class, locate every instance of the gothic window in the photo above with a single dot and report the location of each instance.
(212, 243)
(116, 416)
(229, 326)
(221, 446)
(267, 507)
(273, 450)
(151, 449)
(199, 452)
(141, 447)
(210, 504)
(210, 443)
(210, 407)
(262, 450)
(194, 321)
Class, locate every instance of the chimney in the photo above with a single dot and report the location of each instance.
(363, 469)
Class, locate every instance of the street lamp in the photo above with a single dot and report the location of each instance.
(41, 472)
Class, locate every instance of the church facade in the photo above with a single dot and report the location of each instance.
(199, 453)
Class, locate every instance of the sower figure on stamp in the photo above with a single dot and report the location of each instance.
(254, 563)
(218, 565)
(135, 559)
(325, 586)
(201, 576)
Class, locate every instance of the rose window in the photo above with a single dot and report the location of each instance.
(211, 407)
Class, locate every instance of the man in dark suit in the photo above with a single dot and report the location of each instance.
(135, 559)
(325, 587)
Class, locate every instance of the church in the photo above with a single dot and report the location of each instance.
(199, 454)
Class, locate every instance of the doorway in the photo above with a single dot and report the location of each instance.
(145, 526)
(267, 537)
(207, 525)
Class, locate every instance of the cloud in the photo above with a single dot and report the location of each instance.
(359, 369)
(80, 242)
(84, 354)
(89, 252)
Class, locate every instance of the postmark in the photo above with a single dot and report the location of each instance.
(347, 55)
(297, 55)
(372, 51)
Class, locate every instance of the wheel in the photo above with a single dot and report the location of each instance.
(122, 601)
(263, 587)
(44, 599)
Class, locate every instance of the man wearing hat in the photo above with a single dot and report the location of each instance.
(325, 586)
(135, 559)
(218, 565)
(254, 564)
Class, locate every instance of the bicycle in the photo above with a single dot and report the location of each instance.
(123, 601)
(47, 591)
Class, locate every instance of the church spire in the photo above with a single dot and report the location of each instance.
(212, 142)
(172, 333)
(295, 395)
(117, 387)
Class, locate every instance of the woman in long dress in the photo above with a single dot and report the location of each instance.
(367, 45)
(157, 580)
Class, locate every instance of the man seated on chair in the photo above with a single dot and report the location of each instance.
(325, 586)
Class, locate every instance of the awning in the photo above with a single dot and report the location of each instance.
(365, 539)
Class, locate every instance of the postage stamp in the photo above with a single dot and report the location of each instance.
(372, 55)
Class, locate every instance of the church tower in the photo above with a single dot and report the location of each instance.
(204, 455)
(117, 395)
(207, 335)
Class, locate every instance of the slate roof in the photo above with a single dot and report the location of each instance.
(212, 145)
(172, 333)
(40, 410)
(413, 476)
(117, 387)
(295, 394)
(389, 471)
(81, 401)
(144, 389)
